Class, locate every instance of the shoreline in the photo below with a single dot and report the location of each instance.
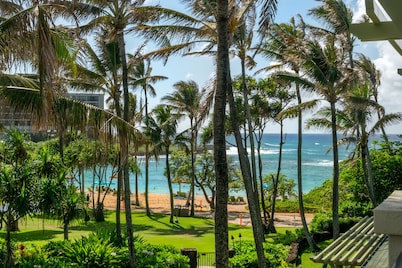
(237, 213)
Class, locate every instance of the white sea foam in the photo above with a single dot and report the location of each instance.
(322, 163)
(233, 151)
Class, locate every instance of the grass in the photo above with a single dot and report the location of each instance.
(187, 233)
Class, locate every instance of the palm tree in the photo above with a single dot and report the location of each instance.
(102, 72)
(355, 117)
(284, 43)
(211, 26)
(221, 167)
(337, 18)
(51, 54)
(222, 86)
(370, 73)
(140, 77)
(162, 130)
(118, 16)
(189, 100)
(324, 73)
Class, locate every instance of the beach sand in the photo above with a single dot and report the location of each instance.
(237, 213)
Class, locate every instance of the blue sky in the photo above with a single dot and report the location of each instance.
(201, 69)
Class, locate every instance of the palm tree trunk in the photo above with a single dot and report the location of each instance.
(124, 152)
(276, 181)
(249, 183)
(192, 190)
(367, 170)
(221, 168)
(263, 206)
(118, 204)
(249, 120)
(147, 209)
(335, 186)
(65, 230)
(9, 256)
(313, 246)
(171, 220)
(137, 200)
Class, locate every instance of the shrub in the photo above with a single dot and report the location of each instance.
(92, 251)
(160, 256)
(287, 205)
(288, 237)
(323, 222)
(246, 257)
(100, 250)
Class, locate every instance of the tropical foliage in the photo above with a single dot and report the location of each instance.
(316, 63)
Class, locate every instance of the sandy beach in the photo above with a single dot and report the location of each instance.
(238, 213)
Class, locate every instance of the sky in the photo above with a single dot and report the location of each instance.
(202, 68)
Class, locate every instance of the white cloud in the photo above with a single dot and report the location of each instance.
(390, 91)
(359, 11)
(387, 61)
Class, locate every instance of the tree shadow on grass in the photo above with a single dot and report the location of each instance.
(178, 229)
(36, 235)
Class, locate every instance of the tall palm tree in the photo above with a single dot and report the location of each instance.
(102, 72)
(141, 77)
(221, 167)
(162, 129)
(370, 73)
(189, 100)
(52, 50)
(336, 19)
(356, 116)
(222, 86)
(324, 72)
(120, 17)
(284, 43)
(211, 26)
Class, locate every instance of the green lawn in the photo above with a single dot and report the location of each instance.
(187, 233)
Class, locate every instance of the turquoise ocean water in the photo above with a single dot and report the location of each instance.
(317, 163)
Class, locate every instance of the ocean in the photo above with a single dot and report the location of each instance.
(316, 159)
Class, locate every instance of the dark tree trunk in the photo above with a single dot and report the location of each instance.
(9, 254)
(249, 183)
(65, 230)
(276, 181)
(313, 246)
(169, 180)
(124, 152)
(335, 186)
(221, 168)
(99, 212)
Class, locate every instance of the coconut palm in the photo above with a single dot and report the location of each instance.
(189, 100)
(325, 76)
(32, 24)
(102, 72)
(284, 43)
(336, 18)
(140, 77)
(162, 130)
(356, 117)
(119, 17)
(369, 73)
(222, 83)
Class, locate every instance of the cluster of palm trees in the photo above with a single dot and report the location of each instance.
(50, 39)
